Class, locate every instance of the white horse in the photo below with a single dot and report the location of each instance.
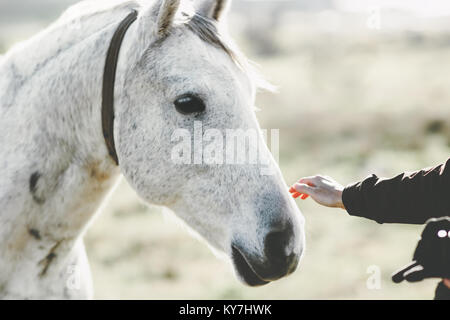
(55, 169)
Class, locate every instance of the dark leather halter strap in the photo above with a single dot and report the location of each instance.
(109, 79)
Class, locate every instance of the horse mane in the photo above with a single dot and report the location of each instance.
(206, 29)
(90, 7)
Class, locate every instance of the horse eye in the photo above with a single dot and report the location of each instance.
(188, 103)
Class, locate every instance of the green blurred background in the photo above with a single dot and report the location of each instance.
(353, 99)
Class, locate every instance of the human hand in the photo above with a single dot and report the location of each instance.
(447, 283)
(324, 190)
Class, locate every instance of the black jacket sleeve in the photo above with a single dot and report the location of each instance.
(407, 198)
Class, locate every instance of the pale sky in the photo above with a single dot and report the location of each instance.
(421, 7)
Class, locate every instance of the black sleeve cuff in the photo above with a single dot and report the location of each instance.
(354, 201)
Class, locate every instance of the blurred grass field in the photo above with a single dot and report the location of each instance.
(349, 104)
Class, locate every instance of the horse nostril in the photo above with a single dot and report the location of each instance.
(276, 244)
(280, 254)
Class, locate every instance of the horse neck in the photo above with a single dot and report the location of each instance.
(65, 171)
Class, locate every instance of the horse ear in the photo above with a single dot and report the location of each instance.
(166, 14)
(213, 9)
(163, 12)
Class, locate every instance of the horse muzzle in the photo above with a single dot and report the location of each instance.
(280, 257)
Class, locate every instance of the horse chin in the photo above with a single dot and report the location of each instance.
(245, 271)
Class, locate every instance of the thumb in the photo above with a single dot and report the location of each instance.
(304, 188)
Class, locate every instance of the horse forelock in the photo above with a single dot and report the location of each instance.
(206, 29)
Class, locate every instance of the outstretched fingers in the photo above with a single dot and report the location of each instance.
(314, 181)
(301, 190)
(304, 188)
(294, 193)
